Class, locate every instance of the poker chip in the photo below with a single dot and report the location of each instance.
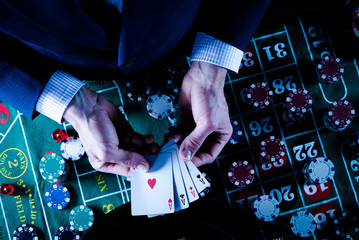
(138, 90)
(339, 115)
(272, 149)
(25, 232)
(72, 149)
(159, 106)
(241, 173)
(298, 101)
(266, 208)
(302, 223)
(237, 132)
(259, 95)
(346, 226)
(53, 168)
(330, 69)
(57, 197)
(319, 170)
(67, 232)
(355, 24)
(172, 89)
(81, 218)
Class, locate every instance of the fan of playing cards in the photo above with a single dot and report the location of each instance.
(170, 185)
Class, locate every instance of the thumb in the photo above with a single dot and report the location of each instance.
(193, 142)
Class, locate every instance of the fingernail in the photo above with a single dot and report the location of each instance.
(141, 167)
(187, 154)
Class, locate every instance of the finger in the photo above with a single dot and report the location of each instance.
(194, 141)
(115, 168)
(120, 156)
(143, 143)
(182, 129)
(178, 133)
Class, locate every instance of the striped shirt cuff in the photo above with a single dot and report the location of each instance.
(211, 50)
(57, 95)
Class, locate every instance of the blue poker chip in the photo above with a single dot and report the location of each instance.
(57, 197)
(237, 132)
(72, 149)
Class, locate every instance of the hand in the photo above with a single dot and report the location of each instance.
(204, 112)
(109, 140)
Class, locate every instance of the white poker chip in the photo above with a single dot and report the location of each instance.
(320, 170)
(302, 223)
(72, 149)
(159, 106)
(266, 208)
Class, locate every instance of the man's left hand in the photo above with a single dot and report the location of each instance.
(204, 114)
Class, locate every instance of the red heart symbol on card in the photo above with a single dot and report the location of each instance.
(151, 182)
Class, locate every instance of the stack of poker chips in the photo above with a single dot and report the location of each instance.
(266, 208)
(298, 102)
(26, 231)
(241, 173)
(53, 168)
(319, 170)
(330, 69)
(302, 224)
(339, 115)
(259, 95)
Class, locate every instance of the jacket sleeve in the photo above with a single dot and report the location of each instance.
(231, 21)
(23, 75)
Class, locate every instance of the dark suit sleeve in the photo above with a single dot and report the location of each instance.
(231, 21)
(23, 75)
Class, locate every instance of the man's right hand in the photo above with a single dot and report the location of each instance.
(110, 142)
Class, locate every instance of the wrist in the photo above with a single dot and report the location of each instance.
(211, 76)
(80, 107)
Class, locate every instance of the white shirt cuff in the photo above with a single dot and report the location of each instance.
(209, 49)
(57, 95)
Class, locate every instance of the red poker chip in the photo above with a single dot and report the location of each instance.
(241, 173)
(272, 149)
(259, 95)
(330, 69)
(299, 101)
(341, 113)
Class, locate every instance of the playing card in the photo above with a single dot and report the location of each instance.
(168, 145)
(180, 194)
(190, 188)
(152, 192)
(200, 182)
(191, 191)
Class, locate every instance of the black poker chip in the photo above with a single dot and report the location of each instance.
(67, 232)
(346, 226)
(25, 232)
(138, 90)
